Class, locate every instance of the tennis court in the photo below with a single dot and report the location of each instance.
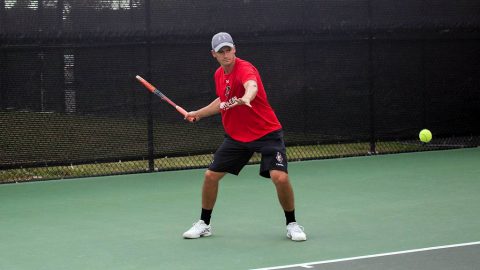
(402, 211)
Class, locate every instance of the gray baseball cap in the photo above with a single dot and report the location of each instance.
(221, 40)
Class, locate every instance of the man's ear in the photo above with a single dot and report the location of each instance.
(213, 54)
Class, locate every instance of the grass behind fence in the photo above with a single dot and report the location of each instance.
(294, 153)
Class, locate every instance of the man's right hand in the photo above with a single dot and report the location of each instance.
(192, 116)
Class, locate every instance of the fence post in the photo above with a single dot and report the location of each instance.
(60, 9)
(3, 57)
(150, 135)
(424, 90)
(2, 16)
(371, 80)
(3, 87)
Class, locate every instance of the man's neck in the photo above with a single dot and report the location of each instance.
(228, 69)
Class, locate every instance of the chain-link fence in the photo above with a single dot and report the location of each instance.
(345, 78)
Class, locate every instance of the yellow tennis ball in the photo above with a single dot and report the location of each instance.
(425, 135)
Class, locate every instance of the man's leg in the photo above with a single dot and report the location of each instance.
(287, 201)
(209, 196)
(210, 188)
(284, 189)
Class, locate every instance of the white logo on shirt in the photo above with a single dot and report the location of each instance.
(227, 91)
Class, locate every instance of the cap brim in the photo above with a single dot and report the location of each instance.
(221, 45)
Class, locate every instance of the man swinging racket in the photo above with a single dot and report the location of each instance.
(251, 126)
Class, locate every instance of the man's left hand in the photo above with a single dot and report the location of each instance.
(243, 101)
(235, 102)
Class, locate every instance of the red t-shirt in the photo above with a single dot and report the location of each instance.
(243, 123)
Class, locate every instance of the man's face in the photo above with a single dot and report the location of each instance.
(225, 56)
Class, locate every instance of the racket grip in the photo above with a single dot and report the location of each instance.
(184, 113)
(181, 110)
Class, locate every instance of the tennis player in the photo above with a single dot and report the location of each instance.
(251, 126)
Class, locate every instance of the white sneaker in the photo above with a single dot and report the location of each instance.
(295, 232)
(198, 229)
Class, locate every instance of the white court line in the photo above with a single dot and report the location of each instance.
(309, 264)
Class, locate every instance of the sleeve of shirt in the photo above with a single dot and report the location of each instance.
(248, 73)
(215, 81)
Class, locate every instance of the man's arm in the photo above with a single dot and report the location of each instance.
(209, 110)
(251, 90)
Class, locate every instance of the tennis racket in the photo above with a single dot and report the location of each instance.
(157, 92)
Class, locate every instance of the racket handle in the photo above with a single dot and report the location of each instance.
(184, 113)
(181, 110)
(157, 92)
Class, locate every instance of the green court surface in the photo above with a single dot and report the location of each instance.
(349, 207)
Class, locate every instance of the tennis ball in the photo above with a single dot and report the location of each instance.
(425, 135)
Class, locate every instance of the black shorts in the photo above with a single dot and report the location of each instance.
(233, 155)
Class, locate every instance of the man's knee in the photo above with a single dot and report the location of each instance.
(212, 176)
(279, 177)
